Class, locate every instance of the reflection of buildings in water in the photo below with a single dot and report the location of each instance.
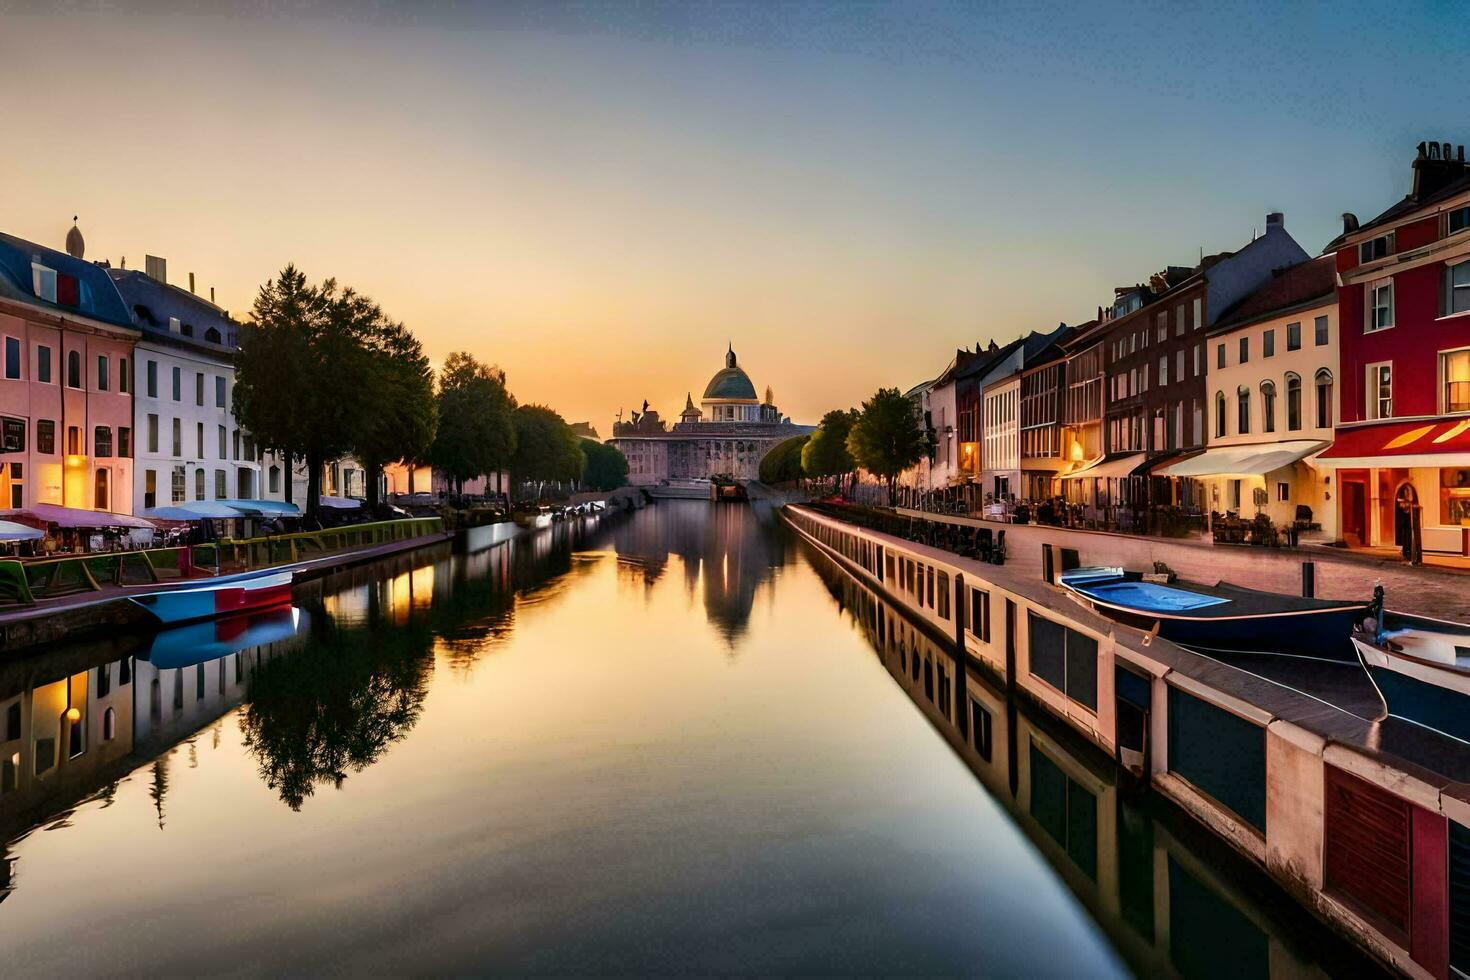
(1171, 898)
(725, 550)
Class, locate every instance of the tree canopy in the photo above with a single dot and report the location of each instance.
(476, 434)
(607, 467)
(887, 437)
(546, 447)
(401, 423)
(826, 452)
(782, 463)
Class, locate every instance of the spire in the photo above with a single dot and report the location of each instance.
(688, 401)
(730, 356)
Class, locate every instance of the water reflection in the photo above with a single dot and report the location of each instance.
(1172, 899)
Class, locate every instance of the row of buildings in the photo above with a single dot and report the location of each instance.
(1331, 390)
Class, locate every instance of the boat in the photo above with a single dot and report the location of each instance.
(680, 488)
(534, 516)
(1220, 618)
(197, 643)
(1421, 668)
(198, 599)
(726, 489)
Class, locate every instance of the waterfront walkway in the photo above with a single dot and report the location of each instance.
(1424, 591)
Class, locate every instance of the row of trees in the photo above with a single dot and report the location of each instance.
(884, 437)
(323, 373)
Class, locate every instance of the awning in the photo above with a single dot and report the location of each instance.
(255, 508)
(11, 531)
(1257, 460)
(74, 517)
(1105, 468)
(194, 510)
(1421, 442)
(340, 503)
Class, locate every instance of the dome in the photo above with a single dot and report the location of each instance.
(729, 383)
(75, 247)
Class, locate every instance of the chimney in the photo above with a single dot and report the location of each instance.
(191, 282)
(1275, 219)
(1349, 222)
(211, 294)
(1437, 166)
(155, 268)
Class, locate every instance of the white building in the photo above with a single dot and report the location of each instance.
(1001, 455)
(188, 444)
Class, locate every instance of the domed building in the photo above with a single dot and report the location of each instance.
(728, 434)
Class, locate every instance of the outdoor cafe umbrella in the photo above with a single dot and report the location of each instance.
(11, 531)
(197, 510)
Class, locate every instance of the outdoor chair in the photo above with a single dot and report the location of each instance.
(983, 543)
(998, 553)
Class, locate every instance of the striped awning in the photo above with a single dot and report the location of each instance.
(1414, 442)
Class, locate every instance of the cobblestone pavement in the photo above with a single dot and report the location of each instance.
(1441, 593)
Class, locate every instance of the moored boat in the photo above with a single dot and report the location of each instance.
(1220, 618)
(534, 516)
(198, 643)
(1421, 668)
(198, 599)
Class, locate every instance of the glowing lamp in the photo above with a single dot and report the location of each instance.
(73, 715)
(74, 461)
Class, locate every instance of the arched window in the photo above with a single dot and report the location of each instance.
(73, 369)
(1294, 402)
(1324, 399)
(1220, 414)
(1243, 410)
(109, 725)
(1268, 406)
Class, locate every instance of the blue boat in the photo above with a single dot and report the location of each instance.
(198, 599)
(1221, 618)
(1421, 668)
(185, 646)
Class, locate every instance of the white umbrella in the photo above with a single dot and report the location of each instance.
(11, 531)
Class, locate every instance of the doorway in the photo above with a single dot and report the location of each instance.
(1404, 503)
(1354, 503)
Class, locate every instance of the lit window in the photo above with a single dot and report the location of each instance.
(1454, 368)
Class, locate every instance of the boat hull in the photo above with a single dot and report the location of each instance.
(1417, 691)
(220, 597)
(1323, 635)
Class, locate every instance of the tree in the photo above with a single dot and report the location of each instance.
(782, 463)
(546, 448)
(826, 453)
(476, 434)
(887, 437)
(607, 467)
(272, 376)
(401, 423)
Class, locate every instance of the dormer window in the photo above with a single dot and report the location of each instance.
(1459, 220)
(173, 324)
(43, 282)
(1377, 248)
(212, 335)
(188, 330)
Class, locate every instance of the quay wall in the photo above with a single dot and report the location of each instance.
(1376, 841)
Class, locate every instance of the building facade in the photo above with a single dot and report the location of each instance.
(1043, 452)
(1000, 474)
(728, 434)
(1402, 442)
(65, 382)
(1272, 363)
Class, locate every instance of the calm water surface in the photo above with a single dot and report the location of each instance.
(676, 742)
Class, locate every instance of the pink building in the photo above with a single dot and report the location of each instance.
(66, 408)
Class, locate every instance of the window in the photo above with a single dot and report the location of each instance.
(73, 440)
(46, 436)
(1179, 320)
(1199, 360)
(152, 433)
(1380, 391)
(124, 442)
(1198, 312)
(1243, 410)
(177, 490)
(1376, 249)
(178, 384)
(109, 725)
(1245, 350)
(1163, 322)
(199, 388)
(43, 364)
(199, 439)
(101, 500)
(219, 392)
(1268, 406)
(1458, 220)
(1380, 306)
(199, 484)
(1294, 336)
(151, 369)
(1293, 402)
(1219, 415)
(178, 441)
(274, 482)
(73, 369)
(223, 444)
(1454, 369)
(150, 488)
(220, 491)
(979, 613)
(1324, 399)
(102, 372)
(943, 596)
(1283, 492)
(1179, 365)
(1321, 330)
(1268, 343)
(1456, 290)
(1219, 355)
(1164, 370)
(13, 353)
(43, 282)
(122, 375)
(102, 440)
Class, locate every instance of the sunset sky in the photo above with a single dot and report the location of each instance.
(598, 197)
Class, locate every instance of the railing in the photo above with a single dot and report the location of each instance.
(26, 582)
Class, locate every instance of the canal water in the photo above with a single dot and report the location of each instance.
(680, 741)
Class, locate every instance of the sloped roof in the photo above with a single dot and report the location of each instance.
(152, 303)
(1304, 284)
(98, 297)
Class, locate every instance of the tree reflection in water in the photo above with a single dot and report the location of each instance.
(331, 709)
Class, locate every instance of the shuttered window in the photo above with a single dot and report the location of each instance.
(1220, 753)
(1367, 852)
